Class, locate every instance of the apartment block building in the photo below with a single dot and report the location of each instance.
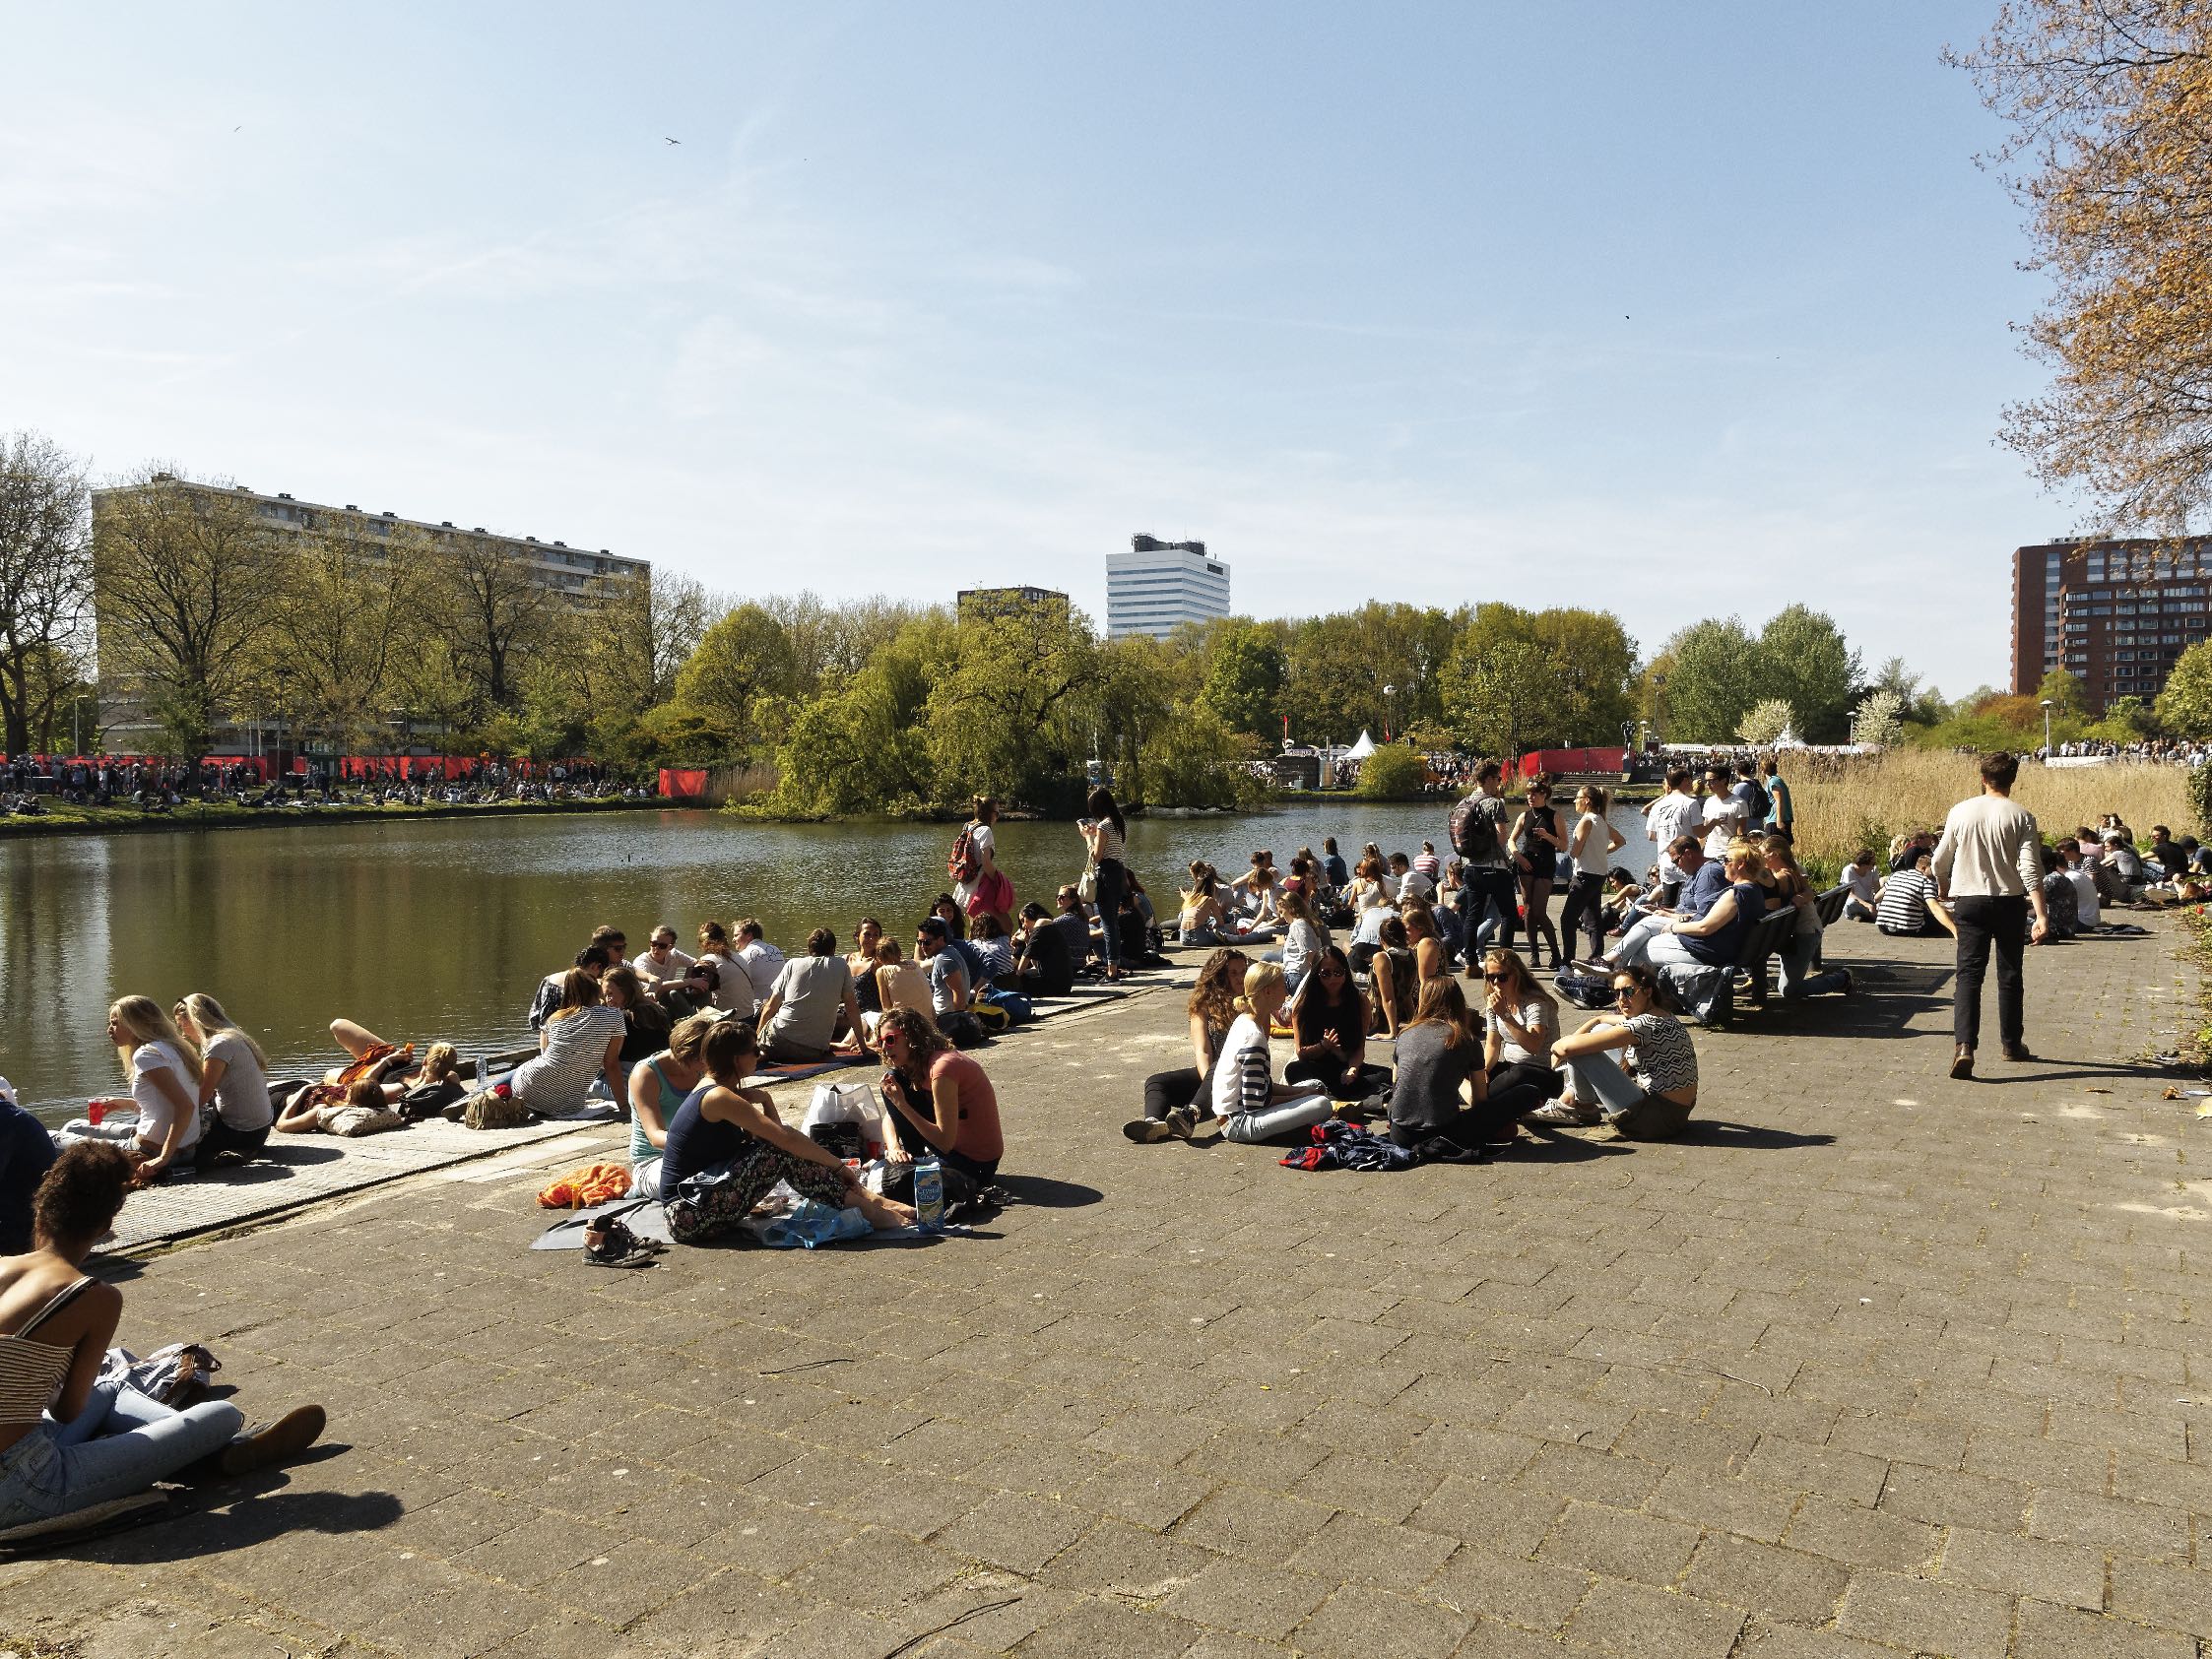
(2112, 613)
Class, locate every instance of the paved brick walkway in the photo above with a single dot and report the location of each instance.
(1875, 1363)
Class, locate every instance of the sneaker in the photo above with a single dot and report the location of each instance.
(1146, 1130)
(286, 1438)
(1571, 1115)
(1183, 1123)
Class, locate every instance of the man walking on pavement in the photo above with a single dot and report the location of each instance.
(1989, 867)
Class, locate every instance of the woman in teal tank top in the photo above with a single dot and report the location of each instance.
(657, 1087)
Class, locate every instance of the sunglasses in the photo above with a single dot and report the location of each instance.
(1622, 994)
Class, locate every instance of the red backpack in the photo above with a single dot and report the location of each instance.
(963, 863)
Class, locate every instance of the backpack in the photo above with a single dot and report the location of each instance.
(1474, 832)
(963, 863)
(1762, 803)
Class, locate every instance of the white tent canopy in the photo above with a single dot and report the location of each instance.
(1361, 749)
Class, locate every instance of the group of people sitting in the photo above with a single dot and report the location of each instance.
(2082, 876)
(1462, 1079)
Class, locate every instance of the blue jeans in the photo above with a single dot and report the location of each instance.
(1800, 978)
(120, 1443)
(1600, 1080)
(1112, 882)
(1283, 1117)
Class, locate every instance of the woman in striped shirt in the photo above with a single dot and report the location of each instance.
(1251, 1104)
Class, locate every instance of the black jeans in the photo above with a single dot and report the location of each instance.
(1586, 903)
(1493, 889)
(219, 1140)
(1985, 920)
(1165, 1091)
(1329, 1075)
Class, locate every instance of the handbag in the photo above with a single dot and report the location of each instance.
(1086, 884)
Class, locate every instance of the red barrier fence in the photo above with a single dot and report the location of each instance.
(683, 783)
(1560, 762)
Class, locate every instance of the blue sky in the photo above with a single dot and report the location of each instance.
(1685, 310)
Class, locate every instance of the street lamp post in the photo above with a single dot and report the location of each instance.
(2046, 728)
(1389, 714)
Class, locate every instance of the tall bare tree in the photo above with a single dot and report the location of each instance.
(498, 611)
(2110, 155)
(350, 599)
(45, 582)
(189, 581)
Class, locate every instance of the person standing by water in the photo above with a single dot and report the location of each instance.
(1781, 813)
(1106, 835)
(1478, 836)
(979, 887)
(1988, 865)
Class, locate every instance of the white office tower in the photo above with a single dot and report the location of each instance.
(1157, 583)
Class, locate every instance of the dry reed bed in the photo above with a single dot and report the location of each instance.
(1864, 803)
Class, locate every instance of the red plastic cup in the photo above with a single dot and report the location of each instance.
(96, 1110)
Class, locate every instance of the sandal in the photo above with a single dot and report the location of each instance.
(609, 1242)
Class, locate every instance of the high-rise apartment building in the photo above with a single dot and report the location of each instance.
(1157, 583)
(2113, 614)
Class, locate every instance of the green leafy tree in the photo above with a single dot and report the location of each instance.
(2064, 689)
(1394, 772)
(1008, 715)
(1502, 698)
(1803, 659)
(2184, 707)
(743, 658)
(1713, 680)
(1244, 680)
(2127, 720)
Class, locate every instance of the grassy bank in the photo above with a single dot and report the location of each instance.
(1870, 800)
(60, 819)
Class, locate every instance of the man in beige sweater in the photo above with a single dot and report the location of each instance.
(1989, 867)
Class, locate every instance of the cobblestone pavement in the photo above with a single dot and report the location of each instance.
(1873, 1364)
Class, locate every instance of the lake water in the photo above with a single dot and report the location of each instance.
(441, 929)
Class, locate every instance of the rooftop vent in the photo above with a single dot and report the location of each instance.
(603, 550)
(560, 544)
(170, 478)
(387, 513)
(480, 530)
(447, 523)
(352, 508)
(529, 538)
(282, 496)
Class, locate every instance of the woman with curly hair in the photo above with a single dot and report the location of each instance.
(1171, 1098)
(69, 1439)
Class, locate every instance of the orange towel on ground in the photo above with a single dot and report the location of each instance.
(580, 1189)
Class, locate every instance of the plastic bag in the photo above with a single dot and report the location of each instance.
(846, 1103)
(810, 1225)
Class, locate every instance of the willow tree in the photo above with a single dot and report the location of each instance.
(45, 583)
(2111, 156)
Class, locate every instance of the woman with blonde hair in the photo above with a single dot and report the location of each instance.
(164, 1070)
(657, 1087)
(1251, 1104)
(1715, 938)
(582, 1038)
(233, 1076)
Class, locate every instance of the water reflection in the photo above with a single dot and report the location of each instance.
(441, 929)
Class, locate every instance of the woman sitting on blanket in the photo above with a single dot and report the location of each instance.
(69, 1439)
(939, 1096)
(726, 1149)
(1251, 1105)
(657, 1087)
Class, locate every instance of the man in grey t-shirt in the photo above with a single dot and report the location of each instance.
(800, 1020)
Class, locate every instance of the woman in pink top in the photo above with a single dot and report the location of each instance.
(940, 1095)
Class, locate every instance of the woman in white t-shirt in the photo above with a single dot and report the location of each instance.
(165, 1075)
(1251, 1104)
(582, 1038)
(233, 1077)
(1592, 844)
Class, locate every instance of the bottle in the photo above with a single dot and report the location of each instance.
(483, 1074)
(929, 1195)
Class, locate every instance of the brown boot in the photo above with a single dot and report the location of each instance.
(286, 1438)
(1961, 1062)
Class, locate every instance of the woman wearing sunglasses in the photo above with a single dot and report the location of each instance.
(1331, 1017)
(1648, 1092)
